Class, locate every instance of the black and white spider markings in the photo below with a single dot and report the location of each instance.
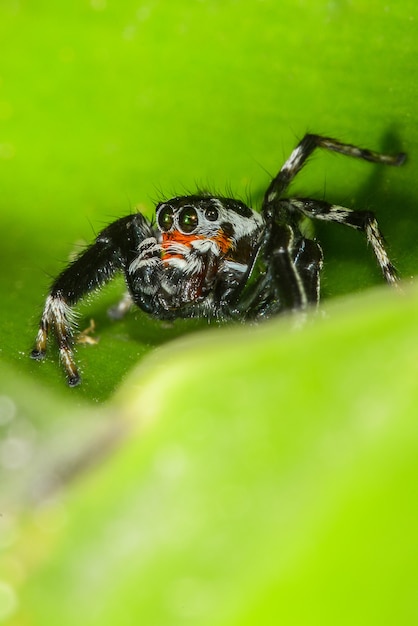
(210, 256)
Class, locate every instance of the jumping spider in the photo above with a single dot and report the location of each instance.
(210, 256)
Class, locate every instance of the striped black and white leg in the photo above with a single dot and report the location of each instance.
(301, 153)
(364, 221)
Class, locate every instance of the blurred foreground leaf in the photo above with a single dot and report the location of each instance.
(286, 498)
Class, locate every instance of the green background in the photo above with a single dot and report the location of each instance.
(229, 476)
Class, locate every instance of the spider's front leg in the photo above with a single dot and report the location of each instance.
(91, 269)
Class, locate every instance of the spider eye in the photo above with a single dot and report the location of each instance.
(188, 219)
(165, 218)
(212, 214)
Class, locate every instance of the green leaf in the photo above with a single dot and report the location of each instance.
(214, 497)
(265, 474)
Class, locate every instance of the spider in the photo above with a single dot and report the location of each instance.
(212, 256)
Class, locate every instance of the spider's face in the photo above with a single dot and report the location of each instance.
(201, 244)
(204, 224)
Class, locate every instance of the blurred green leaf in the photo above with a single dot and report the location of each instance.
(267, 474)
(288, 498)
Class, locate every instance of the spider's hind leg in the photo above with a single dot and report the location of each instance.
(303, 151)
(364, 221)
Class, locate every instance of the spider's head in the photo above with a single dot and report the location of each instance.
(205, 223)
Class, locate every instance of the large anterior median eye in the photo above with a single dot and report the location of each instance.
(188, 219)
(165, 218)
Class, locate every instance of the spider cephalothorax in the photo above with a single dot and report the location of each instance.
(212, 256)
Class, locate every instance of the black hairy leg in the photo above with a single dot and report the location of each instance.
(90, 270)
